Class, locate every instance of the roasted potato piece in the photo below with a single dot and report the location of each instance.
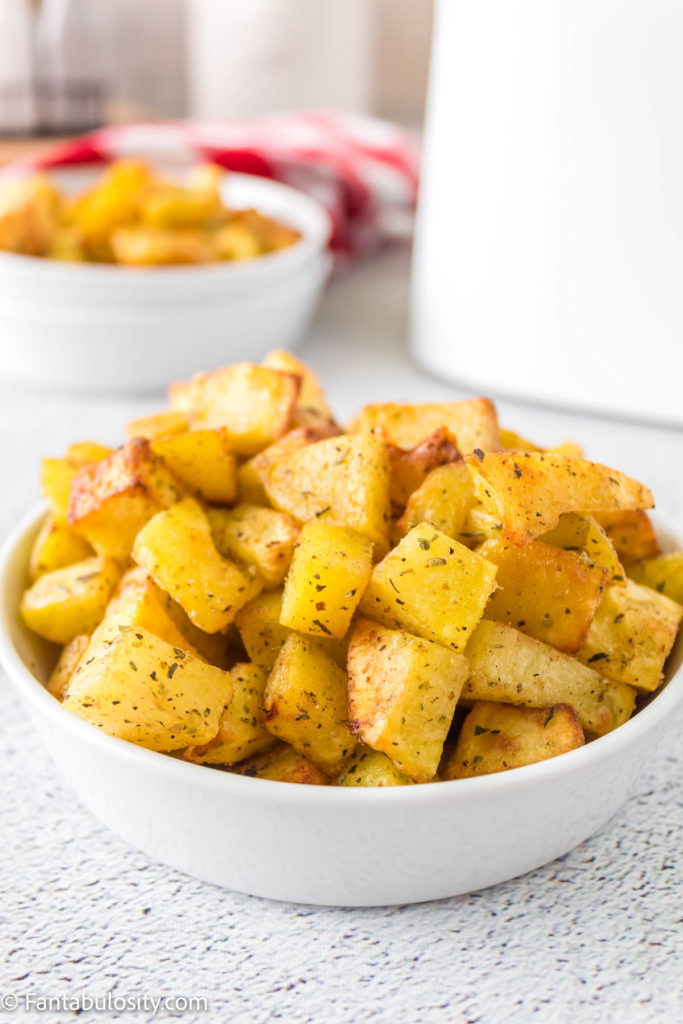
(249, 474)
(29, 215)
(473, 422)
(576, 532)
(56, 475)
(235, 241)
(55, 547)
(282, 764)
(177, 550)
(495, 737)
(305, 704)
(263, 635)
(160, 424)
(111, 500)
(329, 572)
(369, 767)
(408, 470)
(528, 492)
(203, 462)
(177, 207)
(444, 499)
(67, 602)
(312, 409)
(632, 635)
(632, 534)
(545, 591)
(512, 441)
(255, 404)
(514, 668)
(402, 695)
(258, 537)
(432, 586)
(240, 733)
(342, 480)
(157, 247)
(67, 663)
(114, 201)
(664, 573)
(137, 602)
(148, 692)
(87, 451)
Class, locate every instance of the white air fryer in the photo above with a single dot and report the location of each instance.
(549, 253)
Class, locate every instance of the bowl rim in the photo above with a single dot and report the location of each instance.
(34, 693)
(315, 237)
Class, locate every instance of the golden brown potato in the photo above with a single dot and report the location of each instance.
(29, 215)
(148, 692)
(263, 635)
(55, 547)
(473, 422)
(111, 500)
(432, 586)
(528, 492)
(158, 247)
(408, 470)
(402, 695)
(240, 732)
(67, 602)
(343, 480)
(177, 550)
(444, 499)
(544, 591)
(514, 668)
(282, 764)
(369, 767)
(254, 404)
(305, 704)
(203, 462)
(67, 663)
(329, 572)
(663, 573)
(496, 737)
(632, 635)
(632, 534)
(576, 532)
(249, 474)
(160, 424)
(312, 409)
(258, 537)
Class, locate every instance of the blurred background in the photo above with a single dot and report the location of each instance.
(70, 65)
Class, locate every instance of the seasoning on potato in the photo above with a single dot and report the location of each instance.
(418, 597)
(134, 217)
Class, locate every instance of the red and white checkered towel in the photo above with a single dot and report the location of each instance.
(364, 171)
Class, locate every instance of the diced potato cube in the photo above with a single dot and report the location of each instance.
(312, 409)
(369, 767)
(112, 500)
(529, 491)
(67, 602)
(249, 474)
(67, 663)
(29, 215)
(402, 695)
(139, 246)
(87, 451)
(343, 480)
(141, 689)
(473, 422)
(511, 441)
(305, 704)
(329, 572)
(514, 668)
(664, 573)
(632, 635)
(56, 475)
(444, 499)
(432, 586)
(55, 547)
(137, 602)
(495, 737)
(203, 462)
(177, 207)
(545, 591)
(576, 532)
(255, 536)
(114, 201)
(177, 550)
(160, 424)
(236, 241)
(263, 635)
(282, 764)
(240, 733)
(632, 534)
(408, 470)
(255, 404)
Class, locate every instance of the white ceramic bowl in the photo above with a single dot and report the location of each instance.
(101, 326)
(333, 846)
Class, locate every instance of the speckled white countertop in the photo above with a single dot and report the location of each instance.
(594, 937)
